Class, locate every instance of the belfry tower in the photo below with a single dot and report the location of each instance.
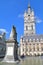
(29, 21)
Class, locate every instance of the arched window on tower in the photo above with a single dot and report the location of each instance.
(26, 27)
(32, 27)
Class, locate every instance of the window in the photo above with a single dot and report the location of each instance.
(34, 48)
(31, 40)
(26, 44)
(29, 44)
(28, 40)
(26, 33)
(33, 44)
(37, 48)
(42, 49)
(32, 27)
(23, 49)
(23, 44)
(26, 49)
(26, 27)
(39, 40)
(30, 50)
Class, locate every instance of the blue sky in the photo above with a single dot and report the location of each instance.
(11, 13)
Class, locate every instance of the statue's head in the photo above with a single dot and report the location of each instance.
(13, 33)
(14, 29)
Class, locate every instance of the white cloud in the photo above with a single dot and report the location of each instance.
(3, 30)
(38, 20)
(21, 16)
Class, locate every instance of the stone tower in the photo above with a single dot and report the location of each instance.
(29, 21)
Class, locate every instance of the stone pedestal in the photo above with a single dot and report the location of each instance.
(11, 52)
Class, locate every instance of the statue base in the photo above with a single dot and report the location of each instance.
(11, 56)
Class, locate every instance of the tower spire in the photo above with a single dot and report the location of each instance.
(29, 4)
(29, 9)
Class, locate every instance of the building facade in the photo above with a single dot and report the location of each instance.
(2, 45)
(30, 42)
